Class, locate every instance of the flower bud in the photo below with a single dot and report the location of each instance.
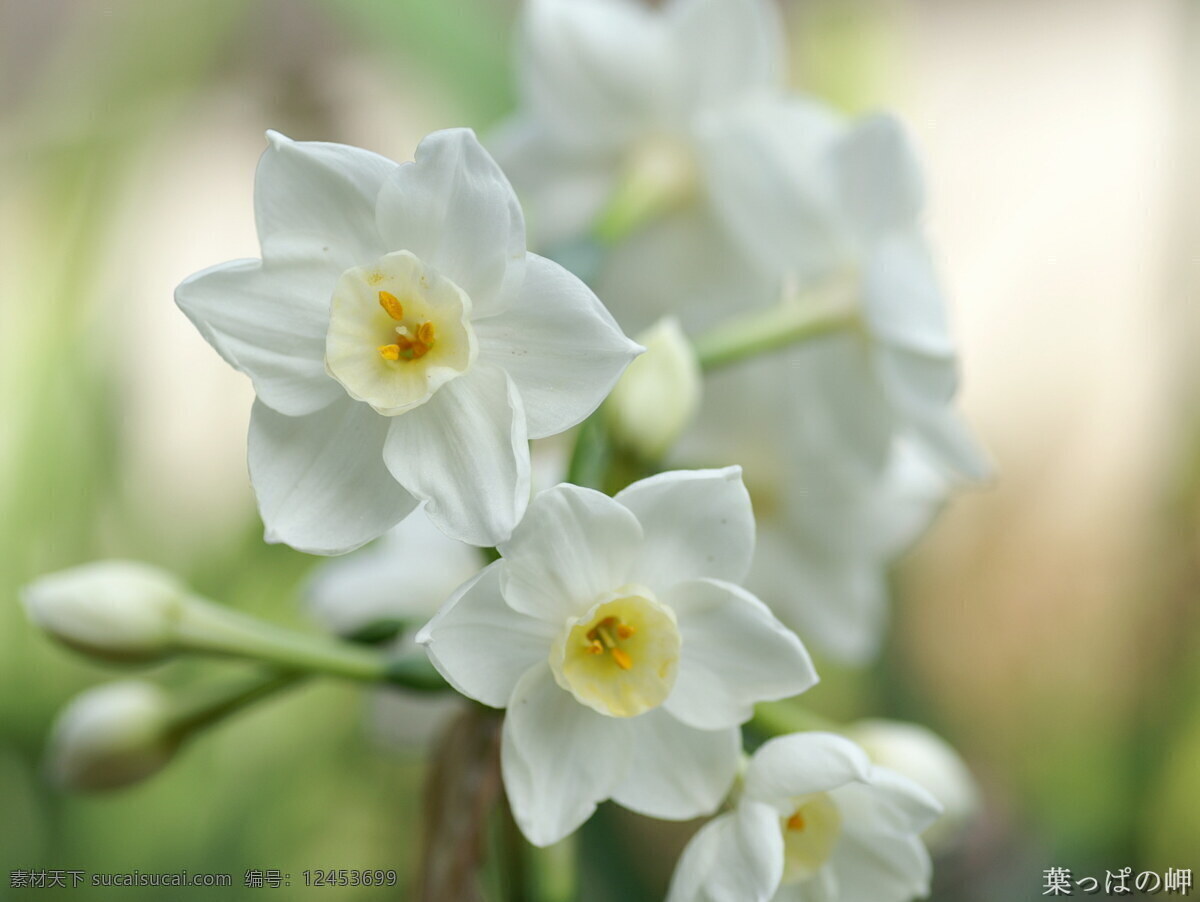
(931, 762)
(118, 610)
(112, 736)
(658, 394)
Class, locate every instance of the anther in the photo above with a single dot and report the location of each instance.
(391, 304)
(624, 631)
(796, 822)
(622, 658)
(389, 352)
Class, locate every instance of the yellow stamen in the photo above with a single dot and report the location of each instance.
(425, 333)
(796, 822)
(622, 658)
(595, 648)
(624, 631)
(389, 352)
(391, 304)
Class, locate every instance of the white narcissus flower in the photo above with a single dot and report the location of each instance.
(614, 633)
(402, 343)
(816, 822)
(894, 373)
(824, 545)
(617, 105)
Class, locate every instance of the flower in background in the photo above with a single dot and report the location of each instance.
(402, 343)
(824, 544)
(614, 633)
(932, 763)
(675, 125)
(894, 372)
(619, 105)
(816, 822)
(400, 578)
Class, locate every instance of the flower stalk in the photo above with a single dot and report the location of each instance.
(795, 319)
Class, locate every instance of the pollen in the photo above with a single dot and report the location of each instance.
(605, 636)
(410, 344)
(796, 822)
(391, 304)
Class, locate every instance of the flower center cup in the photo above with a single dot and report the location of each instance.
(621, 657)
(397, 333)
(810, 833)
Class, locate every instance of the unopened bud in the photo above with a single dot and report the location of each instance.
(931, 762)
(118, 610)
(658, 394)
(112, 736)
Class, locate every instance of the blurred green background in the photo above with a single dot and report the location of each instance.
(1047, 627)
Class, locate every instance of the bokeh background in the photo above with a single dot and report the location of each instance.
(1047, 626)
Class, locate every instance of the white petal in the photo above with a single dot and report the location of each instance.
(737, 857)
(455, 210)
(595, 73)
(574, 545)
(697, 523)
(888, 802)
(685, 265)
(480, 644)
(559, 758)
(820, 887)
(836, 602)
(879, 177)
(406, 575)
(842, 414)
(465, 453)
(562, 190)
(902, 300)
(921, 388)
(269, 321)
(881, 868)
(326, 191)
(804, 763)
(767, 173)
(735, 654)
(727, 49)
(320, 479)
(677, 772)
(558, 344)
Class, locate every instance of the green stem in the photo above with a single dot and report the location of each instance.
(789, 322)
(211, 629)
(203, 706)
(781, 718)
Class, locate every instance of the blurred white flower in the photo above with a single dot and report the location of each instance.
(929, 761)
(658, 394)
(403, 576)
(824, 545)
(894, 373)
(614, 633)
(402, 343)
(676, 122)
(816, 823)
(111, 736)
(121, 610)
(618, 108)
